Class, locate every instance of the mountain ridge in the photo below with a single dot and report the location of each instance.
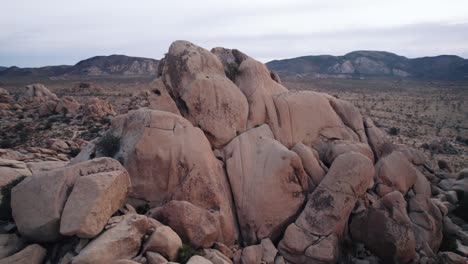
(367, 63)
(94, 66)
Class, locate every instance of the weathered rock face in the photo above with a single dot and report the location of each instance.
(313, 166)
(313, 237)
(40, 220)
(394, 172)
(305, 116)
(195, 79)
(92, 202)
(264, 174)
(169, 159)
(196, 226)
(386, 229)
(254, 80)
(156, 98)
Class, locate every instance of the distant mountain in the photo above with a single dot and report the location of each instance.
(373, 64)
(99, 65)
(2, 68)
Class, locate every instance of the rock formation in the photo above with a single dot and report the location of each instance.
(233, 165)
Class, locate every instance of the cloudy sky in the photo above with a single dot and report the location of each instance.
(51, 32)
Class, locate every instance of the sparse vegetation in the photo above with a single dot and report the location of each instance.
(186, 252)
(108, 145)
(142, 209)
(5, 204)
(394, 131)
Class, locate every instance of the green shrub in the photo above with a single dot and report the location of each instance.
(108, 145)
(5, 204)
(186, 252)
(142, 209)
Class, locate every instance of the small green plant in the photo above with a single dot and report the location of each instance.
(142, 209)
(5, 203)
(186, 252)
(108, 145)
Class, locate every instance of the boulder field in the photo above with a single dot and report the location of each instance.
(225, 165)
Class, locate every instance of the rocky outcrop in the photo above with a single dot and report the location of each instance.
(227, 163)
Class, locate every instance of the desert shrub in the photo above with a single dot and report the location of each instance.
(5, 143)
(186, 252)
(108, 145)
(74, 152)
(105, 121)
(142, 209)
(5, 203)
(394, 131)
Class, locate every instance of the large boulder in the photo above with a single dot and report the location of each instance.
(169, 159)
(395, 172)
(350, 116)
(196, 226)
(386, 229)
(268, 183)
(37, 202)
(205, 96)
(314, 236)
(254, 80)
(92, 202)
(121, 241)
(313, 166)
(155, 97)
(377, 139)
(165, 241)
(305, 117)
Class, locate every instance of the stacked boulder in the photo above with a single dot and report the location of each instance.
(235, 165)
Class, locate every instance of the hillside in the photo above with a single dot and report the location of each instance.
(95, 66)
(373, 64)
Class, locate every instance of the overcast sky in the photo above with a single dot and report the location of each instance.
(52, 32)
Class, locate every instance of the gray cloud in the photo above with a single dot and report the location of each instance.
(50, 32)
